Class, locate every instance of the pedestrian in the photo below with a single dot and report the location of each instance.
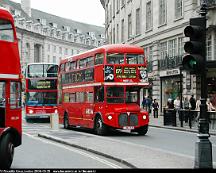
(155, 106)
(192, 102)
(210, 107)
(149, 103)
(170, 104)
(193, 107)
(187, 107)
(144, 102)
(177, 106)
(198, 103)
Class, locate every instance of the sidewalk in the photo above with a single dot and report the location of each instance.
(159, 122)
(138, 156)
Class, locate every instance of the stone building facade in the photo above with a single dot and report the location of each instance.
(157, 26)
(48, 38)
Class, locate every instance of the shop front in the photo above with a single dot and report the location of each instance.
(170, 86)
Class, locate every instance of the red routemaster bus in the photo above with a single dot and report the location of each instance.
(41, 90)
(10, 90)
(100, 89)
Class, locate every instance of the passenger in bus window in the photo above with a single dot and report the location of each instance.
(101, 94)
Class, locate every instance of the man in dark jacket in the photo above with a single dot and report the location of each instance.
(193, 107)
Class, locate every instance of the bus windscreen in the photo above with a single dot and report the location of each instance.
(42, 70)
(41, 99)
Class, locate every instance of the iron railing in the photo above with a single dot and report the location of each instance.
(169, 62)
(187, 118)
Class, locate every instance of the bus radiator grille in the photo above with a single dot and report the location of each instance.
(125, 120)
(133, 120)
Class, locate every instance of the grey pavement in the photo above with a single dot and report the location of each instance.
(133, 155)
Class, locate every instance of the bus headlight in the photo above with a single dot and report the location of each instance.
(109, 117)
(144, 117)
(56, 111)
(31, 111)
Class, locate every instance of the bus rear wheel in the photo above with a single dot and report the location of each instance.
(100, 127)
(7, 151)
(66, 122)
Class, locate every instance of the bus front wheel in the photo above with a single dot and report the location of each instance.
(6, 151)
(66, 122)
(100, 127)
(142, 130)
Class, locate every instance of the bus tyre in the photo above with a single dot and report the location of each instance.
(6, 151)
(100, 127)
(142, 130)
(66, 122)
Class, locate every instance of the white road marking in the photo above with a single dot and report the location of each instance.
(76, 151)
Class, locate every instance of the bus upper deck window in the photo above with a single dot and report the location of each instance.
(135, 59)
(115, 58)
(99, 59)
(6, 31)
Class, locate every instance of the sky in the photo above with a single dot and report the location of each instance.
(85, 11)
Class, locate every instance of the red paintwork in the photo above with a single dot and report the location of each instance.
(10, 65)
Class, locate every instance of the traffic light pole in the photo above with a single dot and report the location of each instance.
(203, 148)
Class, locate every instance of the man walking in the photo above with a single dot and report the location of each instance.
(193, 106)
(155, 106)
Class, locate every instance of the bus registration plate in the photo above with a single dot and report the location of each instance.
(128, 127)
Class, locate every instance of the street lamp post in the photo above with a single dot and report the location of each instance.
(203, 147)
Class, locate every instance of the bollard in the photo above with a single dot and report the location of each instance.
(54, 121)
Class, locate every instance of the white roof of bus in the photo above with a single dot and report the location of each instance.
(41, 63)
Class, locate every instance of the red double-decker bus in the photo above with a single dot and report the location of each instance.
(40, 90)
(101, 89)
(10, 90)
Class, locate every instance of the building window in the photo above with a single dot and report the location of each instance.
(138, 22)
(66, 51)
(162, 12)
(48, 48)
(60, 50)
(48, 58)
(118, 5)
(117, 33)
(172, 48)
(180, 46)
(209, 48)
(129, 26)
(122, 30)
(148, 15)
(149, 57)
(114, 7)
(113, 35)
(122, 3)
(163, 50)
(54, 59)
(178, 8)
(54, 49)
(110, 15)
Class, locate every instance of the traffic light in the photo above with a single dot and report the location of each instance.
(194, 60)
